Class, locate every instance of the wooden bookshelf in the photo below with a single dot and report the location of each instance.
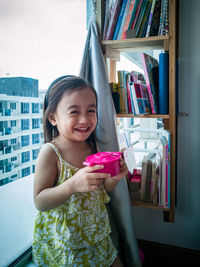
(112, 50)
(151, 116)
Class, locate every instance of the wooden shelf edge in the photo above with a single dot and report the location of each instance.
(154, 42)
(156, 116)
(147, 205)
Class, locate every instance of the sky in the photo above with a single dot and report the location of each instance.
(41, 39)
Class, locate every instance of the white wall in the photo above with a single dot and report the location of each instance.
(149, 224)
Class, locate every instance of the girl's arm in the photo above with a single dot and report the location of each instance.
(48, 196)
(111, 183)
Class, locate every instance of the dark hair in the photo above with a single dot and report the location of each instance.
(68, 83)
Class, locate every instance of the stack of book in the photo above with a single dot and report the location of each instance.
(151, 184)
(135, 18)
(139, 94)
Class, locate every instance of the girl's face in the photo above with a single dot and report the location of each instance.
(75, 116)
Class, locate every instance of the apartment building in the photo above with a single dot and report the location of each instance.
(21, 134)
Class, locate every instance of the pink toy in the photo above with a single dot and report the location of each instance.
(110, 160)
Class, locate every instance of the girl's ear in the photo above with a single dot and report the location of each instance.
(52, 119)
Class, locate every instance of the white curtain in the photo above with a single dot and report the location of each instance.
(94, 70)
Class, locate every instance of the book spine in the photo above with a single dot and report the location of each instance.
(150, 18)
(143, 26)
(164, 83)
(135, 98)
(123, 19)
(149, 90)
(113, 20)
(119, 21)
(133, 14)
(136, 14)
(142, 17)
(129, 94)
(127, 20)
(121, 93)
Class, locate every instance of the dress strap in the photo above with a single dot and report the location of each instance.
(56, 150)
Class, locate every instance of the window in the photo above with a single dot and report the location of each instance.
(35, 123)
(25, 156)
(25, 140)
(35, 138)
(12, 105)
(25, 124)
(26, 171)
(35, 153)
(13, 123)
(35, 108)
(39, 42)
(24, 108)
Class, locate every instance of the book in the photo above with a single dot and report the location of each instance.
(135, 90)
(145, 98)
(114, 87)
(123, 19)
(122, 93)
(155, 19)
(120, 18)
(108, 8)
(150, 18)
(127, 19)
(129, 157)
(113, 20)
(146, 180)
(144, 27)
(139, 16)
(133, 15)
(149, 63)
(164, 83)
(144, 17)
(154, 184)
(128, 80)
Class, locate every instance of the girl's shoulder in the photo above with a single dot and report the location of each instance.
(47, 153)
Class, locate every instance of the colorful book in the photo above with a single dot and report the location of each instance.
(140, 16)
(127, 20)
(119, 21)
(164, 83)
(145, 98)
(128, 80)
(113, 20)
(155, 19)
(122, 93)
(143, 29)
(123, 19)
(135, 17)
(132, 19)
(150, 18)
(143, 18)
(149, 63)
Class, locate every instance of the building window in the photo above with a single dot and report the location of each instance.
(13, 141)
(26, 171)
(33, 168)
(12, 105)
(25, 124)
(35, 153)
(35, 108)
(25, 156)
(35, 123)
(13, 123)
(24, 108)
(35, 138)
(25, 140)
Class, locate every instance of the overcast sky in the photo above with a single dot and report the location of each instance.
(41, 39)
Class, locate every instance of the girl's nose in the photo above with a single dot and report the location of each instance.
(83, 119)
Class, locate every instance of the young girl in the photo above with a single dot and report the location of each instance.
(72, 226)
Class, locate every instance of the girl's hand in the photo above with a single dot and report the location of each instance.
(123, 170)
(86, 179)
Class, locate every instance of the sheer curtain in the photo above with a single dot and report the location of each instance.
(94, 70)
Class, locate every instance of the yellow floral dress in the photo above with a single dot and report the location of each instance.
(77, 232)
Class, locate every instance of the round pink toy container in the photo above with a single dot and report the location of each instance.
(110, 160)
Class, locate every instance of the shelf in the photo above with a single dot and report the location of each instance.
(156, 116)
(135, 44)
(147, 205)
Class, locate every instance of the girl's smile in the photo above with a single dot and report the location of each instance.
(75, 116)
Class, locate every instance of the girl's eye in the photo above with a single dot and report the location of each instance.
(73, 112)
(92, 111)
